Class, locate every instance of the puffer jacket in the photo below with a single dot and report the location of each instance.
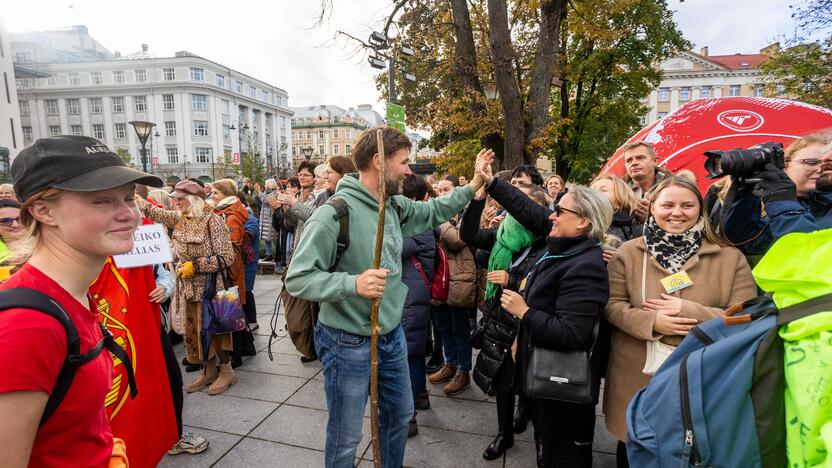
(416, 311)
(461, 266)
(624, 226)
(251, 268)
(267, 231)
(494, 369)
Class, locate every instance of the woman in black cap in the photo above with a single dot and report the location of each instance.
(78, 208)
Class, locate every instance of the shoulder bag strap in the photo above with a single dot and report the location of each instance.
(806, 308)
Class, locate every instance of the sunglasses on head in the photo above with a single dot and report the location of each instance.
(9, 221)
(559, 210)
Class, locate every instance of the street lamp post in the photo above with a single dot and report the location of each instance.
(213, 175)
(143, 130)
(307, 152)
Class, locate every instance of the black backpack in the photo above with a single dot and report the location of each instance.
(26, 298)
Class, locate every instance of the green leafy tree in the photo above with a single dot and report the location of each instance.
(250, 165)
(125, 156)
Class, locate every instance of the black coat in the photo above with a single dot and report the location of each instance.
(494, 369)
(624, 226)
(532, 216)
(566, 294)
(416, 312)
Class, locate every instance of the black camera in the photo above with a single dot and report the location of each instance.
(744, 163)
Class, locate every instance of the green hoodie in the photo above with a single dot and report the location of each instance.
(340, 305)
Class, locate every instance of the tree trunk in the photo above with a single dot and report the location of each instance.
(465, 51)
(502, 57)
(552, 13)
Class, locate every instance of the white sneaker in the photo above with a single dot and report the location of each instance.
(254, 326)
(189, 443)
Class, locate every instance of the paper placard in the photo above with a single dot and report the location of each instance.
(151, 247)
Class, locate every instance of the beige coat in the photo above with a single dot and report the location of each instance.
(721, 276)
(462, 290)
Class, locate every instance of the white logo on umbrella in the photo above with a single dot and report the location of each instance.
(740, 120)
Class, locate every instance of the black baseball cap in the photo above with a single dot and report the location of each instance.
(73, 163)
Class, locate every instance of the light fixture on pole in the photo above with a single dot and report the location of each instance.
(307, 152)
(143, 130)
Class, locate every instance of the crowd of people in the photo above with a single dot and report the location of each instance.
(482, 276)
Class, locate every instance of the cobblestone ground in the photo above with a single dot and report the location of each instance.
(276, 415)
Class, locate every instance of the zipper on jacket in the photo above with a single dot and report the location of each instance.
(690, 455)
(704, 338)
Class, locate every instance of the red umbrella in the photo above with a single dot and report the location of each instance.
(681, 137)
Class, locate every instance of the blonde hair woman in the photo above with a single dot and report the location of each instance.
(7, 192)
(624, 225)
(677, 238)
(78, 209)
(202, 246)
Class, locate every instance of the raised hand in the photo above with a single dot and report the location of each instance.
(482, 169)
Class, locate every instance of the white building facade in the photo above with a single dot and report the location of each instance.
(207, 116)
(11, 134)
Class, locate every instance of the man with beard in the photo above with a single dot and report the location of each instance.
(346, 288)
(797, 199)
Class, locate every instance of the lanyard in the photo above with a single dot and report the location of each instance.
(549, 256)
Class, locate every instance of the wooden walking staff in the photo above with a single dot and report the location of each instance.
(374, 327)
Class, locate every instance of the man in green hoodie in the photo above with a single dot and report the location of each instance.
(342, 336)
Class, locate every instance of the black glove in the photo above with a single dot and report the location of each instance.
(775, 185)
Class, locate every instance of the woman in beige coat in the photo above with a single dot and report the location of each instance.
(200, 238)
(643, 311)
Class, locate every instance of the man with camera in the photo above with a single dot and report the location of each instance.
(773, 193)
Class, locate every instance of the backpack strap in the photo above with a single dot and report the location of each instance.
(805, 308)
(342, 215)
(27, 298)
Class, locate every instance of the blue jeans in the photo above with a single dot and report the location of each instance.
(346, 361)
(453, 325)
(417, 375)
(270, 245)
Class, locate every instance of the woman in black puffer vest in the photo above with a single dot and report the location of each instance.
(514, 251)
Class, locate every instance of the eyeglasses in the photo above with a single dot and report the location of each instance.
(559, 210)
(810, 165)
(9, 221)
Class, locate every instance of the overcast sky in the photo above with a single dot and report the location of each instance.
(275, 41)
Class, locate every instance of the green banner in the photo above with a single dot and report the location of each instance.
(395, 112)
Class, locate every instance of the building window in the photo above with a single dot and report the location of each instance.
(643, 120)
(202, 155)
(54, 130)
(200, 128)
(220, 80)
(279, 101)
(118, 77)
(95, 107)
(98, 131)
(238, 87)
(199, 102)
(52, 80)
(334, 149)
(664, 94)
(170, 128)
(141, 76)
(95, 77)
(684, 94)
(120, 130)
(348, 149)
(734, 90)
(173, 155)
(76, 130)
(167, 102)
(197, 74)
(252, 91)
(24, 108)
(321, 134)
(705, 92)
(282, 121)
(140, 103)
(308, 134)
(334, 133)
(51, 107)
(74, 79)
(662, 114)
(321, 150)
(169, 74)
(73, 106)
(27, 134)
(226, 132)
(348, 134)
(118, 104)
(759, 91)
(266, 96)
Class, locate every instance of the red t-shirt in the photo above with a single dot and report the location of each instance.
(33, 348)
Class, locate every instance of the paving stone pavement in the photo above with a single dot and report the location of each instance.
(276, 415)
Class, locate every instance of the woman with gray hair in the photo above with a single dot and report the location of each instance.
(558, 306)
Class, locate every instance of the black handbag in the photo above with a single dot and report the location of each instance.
(563, 375)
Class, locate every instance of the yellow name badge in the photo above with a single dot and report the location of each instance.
(676, 282)
(522, 284)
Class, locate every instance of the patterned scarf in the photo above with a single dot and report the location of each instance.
(512, 237)
(672, 251)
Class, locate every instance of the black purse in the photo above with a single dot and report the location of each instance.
(563, 375)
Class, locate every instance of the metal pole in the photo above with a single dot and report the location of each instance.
(144, 157)
(391, 81)
(213, 175)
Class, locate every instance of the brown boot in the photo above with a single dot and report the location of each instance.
(209, 375)
(458, 384)
(444, 374)
(226, 379)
